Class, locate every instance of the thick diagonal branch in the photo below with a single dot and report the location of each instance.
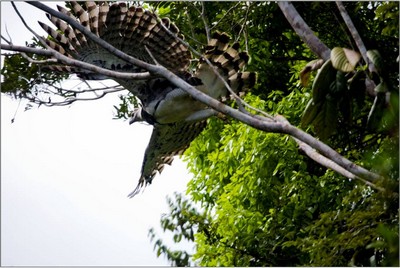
(280, 126)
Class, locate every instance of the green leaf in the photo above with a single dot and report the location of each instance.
(357, 87)
(305, 72)
(375, 57)
(326, 75)
(339, 86)
(381, 87)
(344, 59)
(325, 122)
(310, 113)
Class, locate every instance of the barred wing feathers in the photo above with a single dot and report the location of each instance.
(230, 63)
(166, 142)
(127, 29)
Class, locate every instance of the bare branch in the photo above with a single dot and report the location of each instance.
(29, 28)
(303, 31)
(244, 22)
(72, 62)
(327, 151)
(204, 19)
(70, 100)
(151, 55)
(328, 163)
(192, 36)
(89, 90)
(5, 39)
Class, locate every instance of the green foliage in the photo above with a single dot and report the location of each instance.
(126, 106)
(387, 13)
(270, 205)
(266, 203)
(185, 220)
(24, 79)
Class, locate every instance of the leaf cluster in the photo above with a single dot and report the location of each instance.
(24, 79)
(339, 97)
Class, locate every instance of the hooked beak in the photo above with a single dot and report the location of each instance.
(136, 116)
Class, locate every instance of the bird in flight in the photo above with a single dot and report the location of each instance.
(176, 117)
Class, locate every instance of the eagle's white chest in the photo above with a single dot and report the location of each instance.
(176, 106)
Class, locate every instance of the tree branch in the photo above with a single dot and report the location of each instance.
(303, 31)
(356, 36)
(76, 63)
(281, 126)
(328, 163)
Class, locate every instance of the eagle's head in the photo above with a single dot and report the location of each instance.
(139, 115)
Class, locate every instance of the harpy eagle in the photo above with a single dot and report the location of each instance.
(176, 117)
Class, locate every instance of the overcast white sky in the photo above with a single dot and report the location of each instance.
(65, 175)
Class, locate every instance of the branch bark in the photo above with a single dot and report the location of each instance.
(356, 36)
(304, 31)
(76, 63)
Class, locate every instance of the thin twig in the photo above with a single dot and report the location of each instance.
(70, 101)
(192, 36)
(151, 55)
(7, 41)
(41, 40)
(31, 60)
(244, 23)
(204, 19)
(225, 15)
(9, 36)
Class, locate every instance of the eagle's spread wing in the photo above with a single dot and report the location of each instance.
(130, 30)
(177, 117)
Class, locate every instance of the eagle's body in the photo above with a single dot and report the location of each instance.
(177, 117)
